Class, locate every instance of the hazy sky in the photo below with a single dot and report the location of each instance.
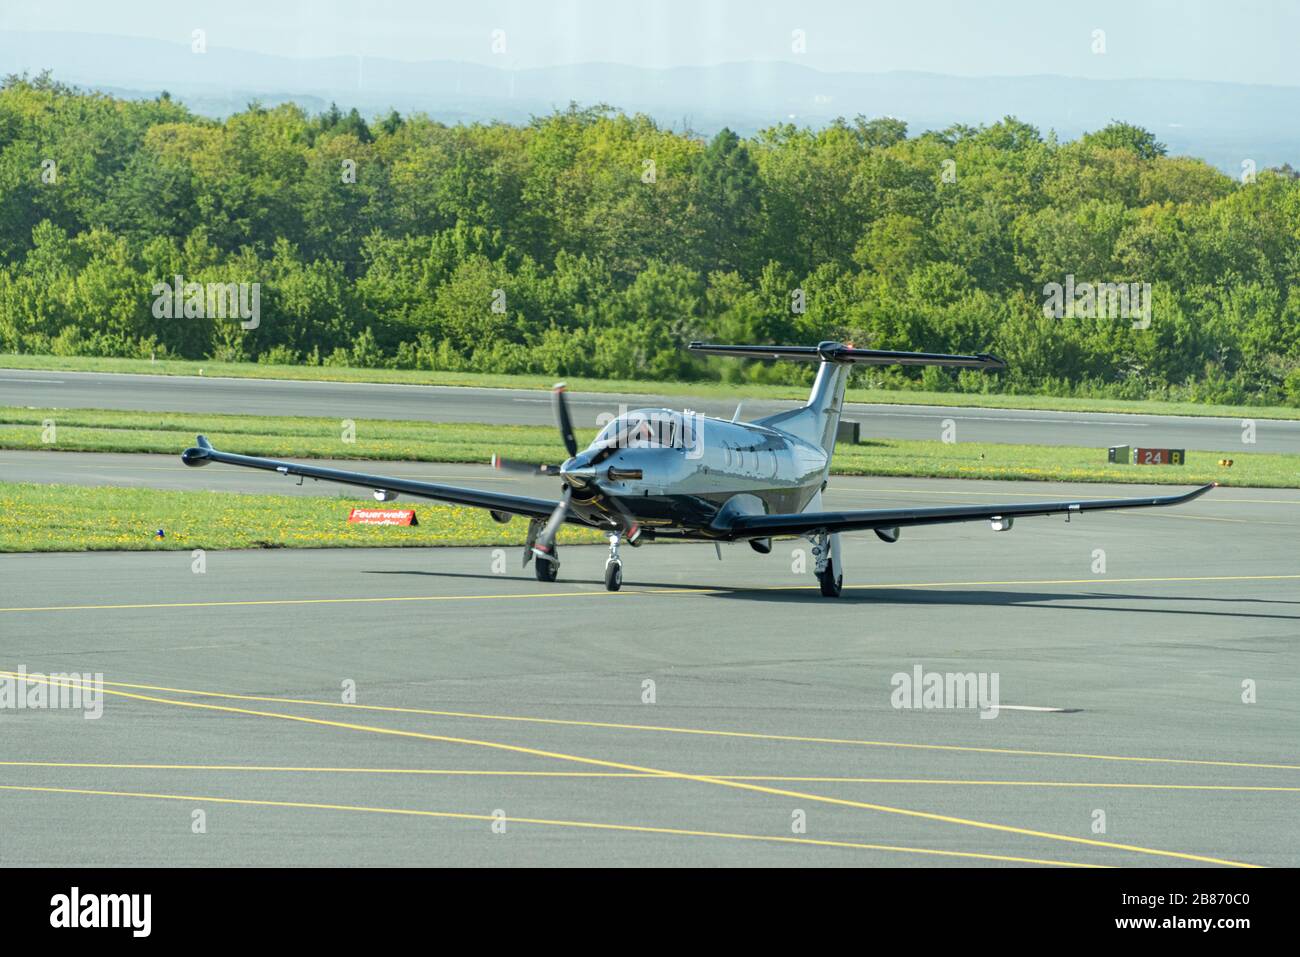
(1250, 41)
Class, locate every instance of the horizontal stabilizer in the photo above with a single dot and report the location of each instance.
(838, 352)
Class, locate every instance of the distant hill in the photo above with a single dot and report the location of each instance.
(1223, 123)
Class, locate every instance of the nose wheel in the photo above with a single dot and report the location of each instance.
(613, 567)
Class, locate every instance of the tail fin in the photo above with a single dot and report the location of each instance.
(818, 421)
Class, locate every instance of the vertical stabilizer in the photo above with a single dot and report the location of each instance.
(818, 421)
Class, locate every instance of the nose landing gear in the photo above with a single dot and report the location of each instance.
(613, 567)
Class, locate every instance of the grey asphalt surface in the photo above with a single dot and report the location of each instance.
(1147, 658)
(78, 390)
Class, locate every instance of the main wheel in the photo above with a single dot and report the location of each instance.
(831, 580)
(546, 571)
(613, 576)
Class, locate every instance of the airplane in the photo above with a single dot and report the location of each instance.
(658, 474)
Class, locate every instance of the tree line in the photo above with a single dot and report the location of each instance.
(593, 242)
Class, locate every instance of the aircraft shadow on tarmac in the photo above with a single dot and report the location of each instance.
(918, 596)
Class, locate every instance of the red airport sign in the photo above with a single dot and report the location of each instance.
(383, 516)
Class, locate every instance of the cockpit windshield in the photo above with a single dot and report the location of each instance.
(647, 429)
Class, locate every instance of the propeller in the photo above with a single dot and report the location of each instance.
(562, 417)
(565, 423)
(526, 468)
(630, 527)
(544, 546)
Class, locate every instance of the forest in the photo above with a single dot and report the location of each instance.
(592, 242)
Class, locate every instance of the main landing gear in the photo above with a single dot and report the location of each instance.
(830, 576)
(547, 568)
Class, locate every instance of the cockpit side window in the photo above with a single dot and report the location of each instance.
(643, 430)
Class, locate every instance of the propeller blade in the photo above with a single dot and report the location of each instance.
(525, 468)
(562, 417)
(544, 547)
(629, 526)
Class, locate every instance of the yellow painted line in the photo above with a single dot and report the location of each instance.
(592, 825)
(1236, 521)
(876, 586)
(703, 779)
(309, 601)
(708, 732)
(479, 772)
(682, 590)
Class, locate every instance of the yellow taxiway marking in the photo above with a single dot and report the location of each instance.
(1236, 521)
(479, 772)
(681, 775)
(679, 590)
(592, 825)
(708, 732)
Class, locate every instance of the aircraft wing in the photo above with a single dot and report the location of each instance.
(759, 526)
(203, 453)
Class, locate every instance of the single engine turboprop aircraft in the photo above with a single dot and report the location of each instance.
(657, 474)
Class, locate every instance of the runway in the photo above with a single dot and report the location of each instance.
(356, 400)
(710, 713)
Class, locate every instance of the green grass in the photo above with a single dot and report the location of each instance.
(169, 433)
(1053, 463)
(253, 370)
(95, 430)
(60, 518)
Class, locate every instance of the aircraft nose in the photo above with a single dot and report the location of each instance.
(577, 471)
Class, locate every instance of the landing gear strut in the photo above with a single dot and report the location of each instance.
(826, 551)
(547, 568)
(613, 567)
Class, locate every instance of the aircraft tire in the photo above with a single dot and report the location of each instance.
(831, 581)
(546, 571)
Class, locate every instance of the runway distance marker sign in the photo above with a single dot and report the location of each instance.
(383, 516)
(1159, 456)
